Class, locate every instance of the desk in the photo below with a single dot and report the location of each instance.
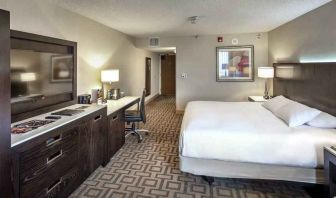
(124, 103)
(116, 123)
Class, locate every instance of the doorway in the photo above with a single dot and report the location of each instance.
(148, 77)
(168, 74)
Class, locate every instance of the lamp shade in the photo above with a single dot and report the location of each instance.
(28, 77)
(265, 72)
(111, 75)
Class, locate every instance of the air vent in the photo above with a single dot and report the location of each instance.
(154, 42)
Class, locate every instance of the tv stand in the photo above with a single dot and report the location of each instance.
(53, 160)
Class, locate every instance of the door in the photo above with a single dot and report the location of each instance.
(99, 137)
(116, 133)
(168, 80)
(148, 76)
(5, 111)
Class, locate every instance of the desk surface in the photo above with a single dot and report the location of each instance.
(112, 107)
(17, 139)
(125, 102)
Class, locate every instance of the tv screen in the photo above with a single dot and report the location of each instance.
(37, 74)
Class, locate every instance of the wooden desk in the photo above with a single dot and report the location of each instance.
(116, 123)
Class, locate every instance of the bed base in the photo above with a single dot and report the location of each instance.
(209, 180)
(217, 168)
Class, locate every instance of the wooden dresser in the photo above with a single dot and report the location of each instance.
(55, 163)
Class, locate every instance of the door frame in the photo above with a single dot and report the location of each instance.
(5, 115)
(148, 75)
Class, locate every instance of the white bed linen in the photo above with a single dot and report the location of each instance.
(248, 132)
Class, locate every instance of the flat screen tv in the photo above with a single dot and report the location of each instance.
(42, 74)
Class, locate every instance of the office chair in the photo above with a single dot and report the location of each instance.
(138, 117)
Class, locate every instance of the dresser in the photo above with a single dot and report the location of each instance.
(53, 160)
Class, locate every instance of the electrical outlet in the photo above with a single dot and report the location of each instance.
(184, 75)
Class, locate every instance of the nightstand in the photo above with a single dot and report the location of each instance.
(330, 170)
(257, 99)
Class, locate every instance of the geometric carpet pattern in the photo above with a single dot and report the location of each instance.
(151, 168)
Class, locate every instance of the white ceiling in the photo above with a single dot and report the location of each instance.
(143, 18)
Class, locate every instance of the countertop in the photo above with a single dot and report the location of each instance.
(115, 105)
(17, 139)
(112, 107)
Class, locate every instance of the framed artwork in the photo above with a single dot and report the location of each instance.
(61, 69)
(235, 63)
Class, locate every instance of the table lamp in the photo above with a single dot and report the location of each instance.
(266, 72)
(109, 76)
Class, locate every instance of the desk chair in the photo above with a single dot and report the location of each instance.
(139, 116)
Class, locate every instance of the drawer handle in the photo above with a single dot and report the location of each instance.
(114, 118)
(54, 140)
(54, 156)
(54, 185)
(98, 118)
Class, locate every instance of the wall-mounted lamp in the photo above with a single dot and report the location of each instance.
(266, 72)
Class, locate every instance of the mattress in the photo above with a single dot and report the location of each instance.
(247, 132)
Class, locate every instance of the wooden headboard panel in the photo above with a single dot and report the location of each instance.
(313, 84)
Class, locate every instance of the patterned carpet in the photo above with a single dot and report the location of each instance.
(151, 168)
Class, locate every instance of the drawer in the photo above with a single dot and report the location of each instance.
(61, 159)
(47, 152)
(53, 185)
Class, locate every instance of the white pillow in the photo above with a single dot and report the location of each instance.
(275, 103)
(296, 114)
(323, 120)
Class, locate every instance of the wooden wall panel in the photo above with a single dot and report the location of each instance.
(313, 84)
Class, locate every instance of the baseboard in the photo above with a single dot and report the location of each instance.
(152, 98)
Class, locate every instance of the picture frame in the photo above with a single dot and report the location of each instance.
(235, 63)
(61, 69)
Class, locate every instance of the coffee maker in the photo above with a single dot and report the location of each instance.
(113, 94)
(84, 99)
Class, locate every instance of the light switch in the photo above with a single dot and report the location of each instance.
(184, 75)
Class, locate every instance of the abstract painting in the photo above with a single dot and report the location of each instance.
(235, 63)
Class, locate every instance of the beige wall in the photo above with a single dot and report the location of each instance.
(98, 46)
(197, 58)
(309, 38)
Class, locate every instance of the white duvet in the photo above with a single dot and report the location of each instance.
(247, 132)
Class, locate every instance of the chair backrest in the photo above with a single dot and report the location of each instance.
(142, 107)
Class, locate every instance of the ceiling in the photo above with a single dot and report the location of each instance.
(144, 18)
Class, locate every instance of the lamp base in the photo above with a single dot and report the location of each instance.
(267, 97)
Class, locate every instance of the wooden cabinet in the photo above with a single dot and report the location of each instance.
(98, 141)
(84, 149)
(5, 111)
(56, 163)
(42, 166)
(116, 132)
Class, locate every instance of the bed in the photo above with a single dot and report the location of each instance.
(245, 140)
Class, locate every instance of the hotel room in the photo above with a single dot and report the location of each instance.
(157, 98)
